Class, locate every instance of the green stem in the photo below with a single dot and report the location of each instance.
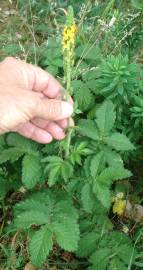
(68, 142)
(68, 71)
(68, 86)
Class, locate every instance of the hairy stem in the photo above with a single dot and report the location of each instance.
(68, 87)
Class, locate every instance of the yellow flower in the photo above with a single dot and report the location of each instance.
(119, 207)
(66, 46)
(69, 35)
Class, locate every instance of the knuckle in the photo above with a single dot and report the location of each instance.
(31, 132)
(54, 109)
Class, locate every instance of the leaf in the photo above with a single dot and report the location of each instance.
(88, 51)
(65, 225)
(76, 84)
(57, 62)
(122, 247)
(102, 193)
(67, 234)
(86, 166)
(5, 186)
(88, 128)
(53, 174)
(52, 159)
(57, 168)
(66, 170)
(25, 219)
(87, 198)
(113, 158)
(87, 244)
(110, 174)
(11, 154)
(116, 264)
(105, 117)
(126, 253)
(79, 149)
(100, 258)
(120, 142)
(31, 171)
(40, 246)
(84, 98)
(23, 144)
(96, 164)
(37, 201)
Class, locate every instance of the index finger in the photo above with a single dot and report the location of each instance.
(30, 77)
(44, 82)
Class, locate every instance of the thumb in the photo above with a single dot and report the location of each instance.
(52, 109)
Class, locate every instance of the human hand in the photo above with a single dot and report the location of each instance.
(30, 102)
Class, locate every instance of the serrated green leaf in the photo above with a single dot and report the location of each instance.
(31, 171)
(100, 258)
(116, 264)
(52, 159)
(88, 128)
(112, 158)
(42, 209)
(76, 84)
(84, 97)
(126, 252)
(87, 198)
(40, 246)
(25, 145)
(65, 225)
(67, 234)
(25, 219)
(53, 174)
(11, 154)
(110, 174)
(120, 142)
(35, 202)
(87, 244)
(57, 168)
(79, 149)
(122, 247)
(96, 164)
(105, 117)
(66, 170)
(102, 193)
(65, 210)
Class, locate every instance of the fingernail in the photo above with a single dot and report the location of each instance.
(67, 109)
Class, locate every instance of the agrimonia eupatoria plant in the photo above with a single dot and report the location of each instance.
(68, 46)
(68, 195)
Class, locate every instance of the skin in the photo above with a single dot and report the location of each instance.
(30, 102)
